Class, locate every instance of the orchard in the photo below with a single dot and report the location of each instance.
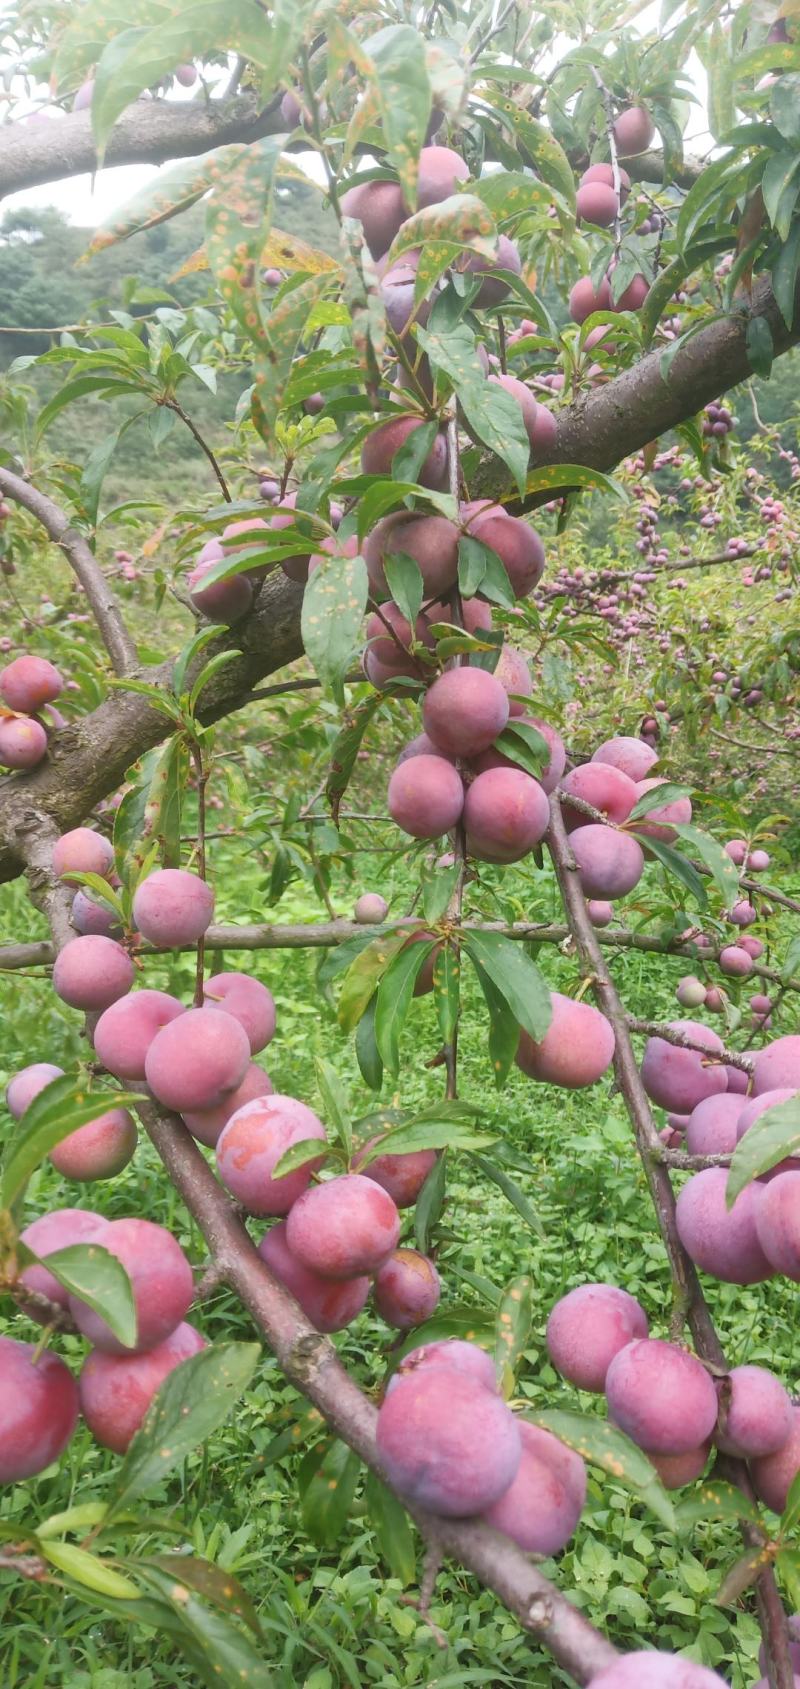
(400, 1177)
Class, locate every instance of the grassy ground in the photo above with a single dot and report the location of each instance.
(334, 1617)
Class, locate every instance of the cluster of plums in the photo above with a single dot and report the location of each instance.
(28, 688)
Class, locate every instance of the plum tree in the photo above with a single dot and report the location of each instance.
(464, 711)
(576, 1050)
(407, 1289)
(541, 1508)
(161, 1280)
(345, 1227)
(755, 1415)
(661, 1396)
(329, 1305)
(98, 1150)
(252, 1143)
(723, 1241)
(92, 972)
(125, 1031)
(588, 1327)
(172, 906)
(677, 1078)
(447, 1443)
(196, 1058)
(38, 1409)
(506, 813)
(426, 796)
(248, 1001)
(115, 1391)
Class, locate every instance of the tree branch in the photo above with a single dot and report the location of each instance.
(84, 564)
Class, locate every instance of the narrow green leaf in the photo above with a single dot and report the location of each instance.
(511, 1192)
(513, 1329)
(334, 602)
(784, 102)
(298, 1155)
(89, 1571)
(429, 1204)
(714, 1500)
(525, 746)
(328, 1478)
(363, 975)
(446, 990)
(516, 977)
(656, 798)
(601, 1444)
(89, 1272)
(775, 1134)
(335, 1102)
(367, 1052)
(559, 477)
(389, 1521)
(404, 98)
(784, 275)
(429, 1133)
(742, 1575)
(677, 865)
(438, 885)
(214, 1584)
(395, 992)
(760, 345)
(404, 578)
(345, 749)
(713, 857)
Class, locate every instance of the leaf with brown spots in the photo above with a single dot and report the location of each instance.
(216, 1585)
(327, 1482)
(513, 1329)
(238, 219)
(333, 609)
(601, 1444)
(283, 332)
(399, 68)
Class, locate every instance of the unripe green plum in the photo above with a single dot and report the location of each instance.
(253, 1142)
(403, 1176)
(777, 1066)
(407, 1289)
(59, 1229)
(196, 1059)
(661, 1397)
(248, 1001)
(690, 992)
(678, 1470)
(774, 1474)
(577, 1047)
(541, 1508)
(651, 1670)
(344, 1227)
(588, 1327)
(610, 863)
(447, 1443)
(38, 1409)
(426, 795)
(658, 823)
(82, 851)
(28, 683)
(172, 907)
(679, 1079)
(380, 209)
(117, 1390)
(124, 1033)
(633, 131)
(506, 813)
(370, 907)
(24, 1086)
(517, 544)
(328, 1305)
(440, 171)
(755, 1415)
(604, 787)
(206, 1124)
(92, 972)
(380, 446)
(633, 756)
(23, 741)
(464, 711)
(161, 1280)
(723, 1241)
(712, 1126)
(432, 541)
(98, 1150)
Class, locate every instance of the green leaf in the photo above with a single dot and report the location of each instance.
(787, 1566)
(773, 1135)
(742, 1574)
(404, 97)
(560, 477)
(516, 977)
(784, 275)
(298, 1155)
(149, 815)
(215, 1583)
(82, 385)
(328, 1478)
(538, 143)
(510, 194)
(677, 865)
(94, 1275)
(61, 1108)
(345, 749)
(89, 1571)
(218, 1651)
(363, 975)
(511, 1192)
(187, 1407)
(81, 1518)
(656, 798)
(714, 1500)
(760, 347)
(389, 1521)
(404, 578)
(460, 221)
(279, 344)
(513, 1329)
(525, 746)
(601, 1444)
(428, 1132)
(395, 992)
(335, 1102)
(791, 960)
(187, 654)
(409, 458)
(784, 103)
(490, 413)
(438, 885)
(429, 1204)
(503, 1027)
(334, 602)
(446, 990)
(711, 854)
(170, 192)
(791, 1511)
(780, 187)
(473, 557)
(367, 1052)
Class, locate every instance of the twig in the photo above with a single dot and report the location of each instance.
(483, 40)
(658, 1029)
(173, 405)
(84, 564)
(201, 776)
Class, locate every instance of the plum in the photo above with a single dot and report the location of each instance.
(464, 711)
(328, 1305)
(224, 601)
(600, 913)
(369, 908)
(82, 851)
(585, 299)
(124, 1033)
(426, 795)
(516, 543)
(343, 1227)
(679, 1079)
(59, 1229)
(540, 424)
(117, 1390)
(196, 1059)
(690, 992)
(453, 1353)
(633, 131)
(577, 1047)
(24, 1086)
(633, 756)
(541, 1508)
(777, 1067)
(23, 741)
(379, 208)
(252, 1143)
(711, 1127)
(403, 1176)
(172, 906)
(440, 171)
(661, 1396)
(446, 1443)
(677, 1470)
(610, 863)
(777, 1215)
(506, 813)
(550, 775)
(773, 1474)
(28, 683)
(206, 1124)
(514, 676)
(596, 203)
(588, 1327)
(89, 916)
(92, 972)
(38, 1409)
(603, 786)
(755, 1413)
(407, 1289)
(161, 1280)
(723, 1241)
(432, 542)
(381, 444)
(248, 1001)
(651, 1670)
(98, 1150)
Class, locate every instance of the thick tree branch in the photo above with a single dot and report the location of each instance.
(84, 564)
